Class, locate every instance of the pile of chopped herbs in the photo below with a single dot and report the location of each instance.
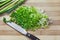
(29, 18)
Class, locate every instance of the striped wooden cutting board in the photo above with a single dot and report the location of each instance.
(51, 7)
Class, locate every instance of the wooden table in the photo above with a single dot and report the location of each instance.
(51, 7)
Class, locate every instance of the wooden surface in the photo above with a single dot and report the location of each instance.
(43, 37)
(51, 7)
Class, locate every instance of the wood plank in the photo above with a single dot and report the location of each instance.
(45, 1)
(56, 13)
(40, 32)
(43, 4)
(52, 30)
(42, 37)
(46, 8)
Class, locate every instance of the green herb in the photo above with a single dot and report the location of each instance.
(10, 5)
(29, 18)
(3, 3)
(2, 0)
(4, 19)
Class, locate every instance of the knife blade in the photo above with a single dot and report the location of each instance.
(22, 31)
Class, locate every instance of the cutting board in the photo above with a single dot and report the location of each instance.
(52, 9)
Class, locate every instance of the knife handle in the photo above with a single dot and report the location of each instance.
(32, 37)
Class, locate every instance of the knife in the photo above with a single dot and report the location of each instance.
(20, 29)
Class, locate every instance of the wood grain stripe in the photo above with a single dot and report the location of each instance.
(40, 32)
(45, 1)
(44, 4)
